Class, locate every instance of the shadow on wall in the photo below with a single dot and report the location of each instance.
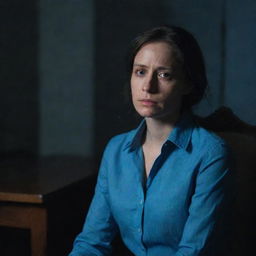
(116, 25)
(19, 78)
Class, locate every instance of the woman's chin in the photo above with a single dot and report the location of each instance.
(170, 116)
(147, 114)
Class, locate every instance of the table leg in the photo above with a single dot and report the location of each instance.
(30, 217)
(38, 232)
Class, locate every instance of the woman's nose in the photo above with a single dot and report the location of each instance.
(150, 84)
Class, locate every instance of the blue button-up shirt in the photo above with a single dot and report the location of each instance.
(171, 213)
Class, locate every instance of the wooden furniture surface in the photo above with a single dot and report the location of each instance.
(36, 180)
(224, 120)
(45, 195)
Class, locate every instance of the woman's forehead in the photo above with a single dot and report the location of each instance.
(159, 53)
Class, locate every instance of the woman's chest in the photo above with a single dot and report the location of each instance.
(166, 192)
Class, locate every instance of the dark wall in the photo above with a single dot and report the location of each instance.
(19, 115)
(66, 68)
(240, 91)
(46, 72)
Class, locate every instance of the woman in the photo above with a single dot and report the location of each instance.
(164, 184)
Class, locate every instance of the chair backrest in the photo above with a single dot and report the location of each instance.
(241, 138)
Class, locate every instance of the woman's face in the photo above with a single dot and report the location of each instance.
(157, 82)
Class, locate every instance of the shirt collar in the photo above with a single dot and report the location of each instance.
(179, 136)
(135, 137)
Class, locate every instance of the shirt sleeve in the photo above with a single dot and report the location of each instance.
(99, 228)
(208, 205)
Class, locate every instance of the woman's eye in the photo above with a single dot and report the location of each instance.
(164, 75)
(140, 72)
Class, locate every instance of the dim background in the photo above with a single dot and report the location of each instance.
(62, 67)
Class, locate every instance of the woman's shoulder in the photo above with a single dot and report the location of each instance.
(120, 141)
(208, 141)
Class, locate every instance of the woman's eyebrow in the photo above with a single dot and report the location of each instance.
(164, 68)
(139, 65)
(158, 68)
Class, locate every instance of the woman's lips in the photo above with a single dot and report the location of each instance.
(148, 103)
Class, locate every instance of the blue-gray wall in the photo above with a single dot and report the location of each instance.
(46, 77)
(66, 77)
(19, 114)
(63, 66)
(240, 90)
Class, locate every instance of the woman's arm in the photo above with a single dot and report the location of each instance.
(99, 228)
(208, 206)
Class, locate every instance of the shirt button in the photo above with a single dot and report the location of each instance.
(141, 201)
(139, 230)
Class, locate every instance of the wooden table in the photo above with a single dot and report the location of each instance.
(49, 196)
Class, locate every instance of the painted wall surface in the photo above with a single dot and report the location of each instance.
(46, 77)
(240, 91)
(18, 77)
(66, 77)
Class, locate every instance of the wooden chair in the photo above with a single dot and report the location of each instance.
(241, 137)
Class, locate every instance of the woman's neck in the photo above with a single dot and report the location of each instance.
(158, 130)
